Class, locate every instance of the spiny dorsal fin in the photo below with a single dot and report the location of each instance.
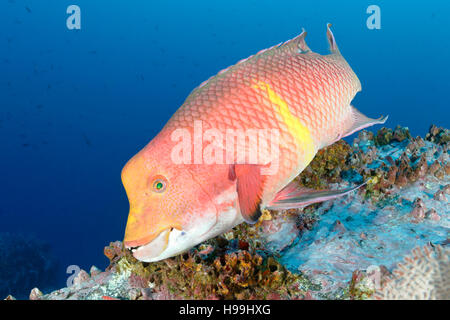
(331, 41)
(298, 44)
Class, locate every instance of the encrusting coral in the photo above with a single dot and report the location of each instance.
(425, 274)
(341, 249)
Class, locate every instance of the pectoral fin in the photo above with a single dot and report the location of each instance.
(294, 197)
(249, 187)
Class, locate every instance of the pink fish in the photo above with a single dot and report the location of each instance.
(236, 143)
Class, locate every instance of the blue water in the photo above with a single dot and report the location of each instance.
(75, 105)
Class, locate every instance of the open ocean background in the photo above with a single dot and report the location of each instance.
(75, 105)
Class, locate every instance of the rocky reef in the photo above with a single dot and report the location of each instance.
(394, 231)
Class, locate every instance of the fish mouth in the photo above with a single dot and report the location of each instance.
(147, 249)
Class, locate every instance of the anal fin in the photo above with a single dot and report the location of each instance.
(295, 197)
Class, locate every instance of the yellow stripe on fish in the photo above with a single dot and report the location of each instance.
(296, 128)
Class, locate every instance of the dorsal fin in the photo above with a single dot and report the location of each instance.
(298, 44)
(331, 41)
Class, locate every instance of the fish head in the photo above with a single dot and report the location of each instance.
(171, 209)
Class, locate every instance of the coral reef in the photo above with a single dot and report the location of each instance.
(25, 262)
(402, 206)
(341, 249)
(327, 166)
(235, 273)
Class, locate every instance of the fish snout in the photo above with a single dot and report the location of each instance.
(147, 234)
(142, 228)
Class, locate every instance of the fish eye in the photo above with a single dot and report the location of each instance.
(159, 185)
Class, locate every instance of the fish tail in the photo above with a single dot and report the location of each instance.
(358, 121)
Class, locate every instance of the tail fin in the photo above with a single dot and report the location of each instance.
(331, 41)
(358, 121)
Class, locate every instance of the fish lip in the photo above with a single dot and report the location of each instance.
(148, 251)
(137, 243)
